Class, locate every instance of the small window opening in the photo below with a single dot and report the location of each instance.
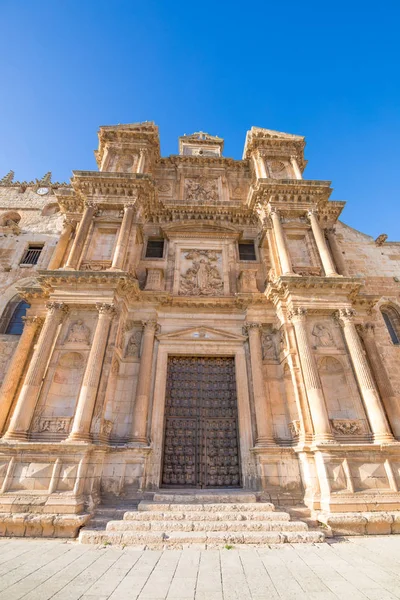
(391, 327)
(155, 249)
(247, 251)
(32, 254)
(16, 323)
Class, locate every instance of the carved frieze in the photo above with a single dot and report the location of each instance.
(201, 189)
(201, 273)
(54, 425)
(347, 426)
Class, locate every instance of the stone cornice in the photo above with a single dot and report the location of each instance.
(124, 284)
(201, 162)
(283, 287)
(289, 193)
(140, 134)
(259, 139)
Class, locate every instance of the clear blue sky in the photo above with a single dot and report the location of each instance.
(326, 70)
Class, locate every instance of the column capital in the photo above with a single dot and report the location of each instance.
(298, 313)
(33, 320)
(330, 230)
(251, 325)
(312, 212)
(69, 223)
(366, 330)
(345, 314)
(105, 309)
(273, 212)
(151, 325)
(55, 307)
(130, 204)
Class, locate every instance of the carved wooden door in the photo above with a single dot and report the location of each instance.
(201, 446)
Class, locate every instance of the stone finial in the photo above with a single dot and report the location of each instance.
(45, 180)
(381, 239)
(7, 179)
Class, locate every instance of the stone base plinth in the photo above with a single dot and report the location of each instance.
(361, 523)
(47, 525)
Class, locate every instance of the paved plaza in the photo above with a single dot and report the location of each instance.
(352, 568)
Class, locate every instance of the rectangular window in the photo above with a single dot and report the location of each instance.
(247, 251)
(32, 254)
(155, 249)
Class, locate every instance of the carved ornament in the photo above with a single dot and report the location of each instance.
(203, 277)
(201, 189)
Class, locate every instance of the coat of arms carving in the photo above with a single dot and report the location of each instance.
(201, 189)
(203, 277)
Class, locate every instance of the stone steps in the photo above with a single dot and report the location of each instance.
(198, 520)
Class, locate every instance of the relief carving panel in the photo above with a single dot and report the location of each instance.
(201, 273)
(201, 189)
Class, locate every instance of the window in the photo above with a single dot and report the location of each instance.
(32, 254)
(155, 249)
(16, 324)
(392, 322)
(247, 251)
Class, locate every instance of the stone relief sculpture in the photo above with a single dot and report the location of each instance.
(322, 335)
(78, 333)
(201, 189)
(203, 278)
(268, 346)
(278, 169)
(133, 346)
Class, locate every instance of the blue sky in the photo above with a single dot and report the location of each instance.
(329, 71)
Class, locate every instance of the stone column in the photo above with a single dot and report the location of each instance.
(26, 403)
(390, 401)
(142, 400)
(375, 413)
(16, 367)
(296, 169)
(336, 252)
(79, 241)
(265, 433)
(123, 238)
(312, 381)
(141, 161)
(323, 250)
(283, 251)
(87, 396)
(59, 250)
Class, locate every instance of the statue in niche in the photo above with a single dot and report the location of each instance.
(268, 346)
(282, 341)
(79, 332)
(133, 345)
(323, 336)
(203, 277)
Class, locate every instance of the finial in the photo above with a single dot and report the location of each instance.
(46, 179)
(7, 179)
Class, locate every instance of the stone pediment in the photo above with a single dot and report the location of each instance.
(201, 334)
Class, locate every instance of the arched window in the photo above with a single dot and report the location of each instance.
(392, 322)
(15, 324)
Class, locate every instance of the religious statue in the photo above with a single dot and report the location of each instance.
(133, 345)
(79, 332)
(268, 346)
(203, 277)
(323, 336)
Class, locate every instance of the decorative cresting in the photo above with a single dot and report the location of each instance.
(16, 366)
(123, 238)
(389, 398)
(142, 400)
(376, 415)
(87, 397)
(312, 381)
(26, 403)
(265, 434)
(58, 254)
(80, 238)
(283, 251)
(323, 250)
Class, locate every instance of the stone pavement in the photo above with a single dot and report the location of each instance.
(355, 568)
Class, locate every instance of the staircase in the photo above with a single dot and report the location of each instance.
(206, 520)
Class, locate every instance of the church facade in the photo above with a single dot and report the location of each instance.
(195, 322)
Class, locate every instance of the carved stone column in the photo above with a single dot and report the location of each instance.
(141, 161)
(265, 432)
(87, 397)
(323, 250)
(79, 241)
(141, 407)
(16, 367)
(123, 238)
(26, 403)
(296, 169)
(283, 251)
(375, 413)
(312, 381)
(59, 250)
(336, 252)
(390, 401)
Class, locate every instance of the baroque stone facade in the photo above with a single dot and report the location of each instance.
(194, 321)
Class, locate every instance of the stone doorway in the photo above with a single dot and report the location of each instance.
(201, 444)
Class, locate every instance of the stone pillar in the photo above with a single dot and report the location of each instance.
(142, 400)
(59, 250)
(16, 367)
(323, 250)
(80, 238)
(123, 238)
(390, 401)
(87, 396)
(265, 433)
(141, 161)
(312, 382)
(26, 403)
(336, 252)
(283, 251)
(375, 413)
(296, 169)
